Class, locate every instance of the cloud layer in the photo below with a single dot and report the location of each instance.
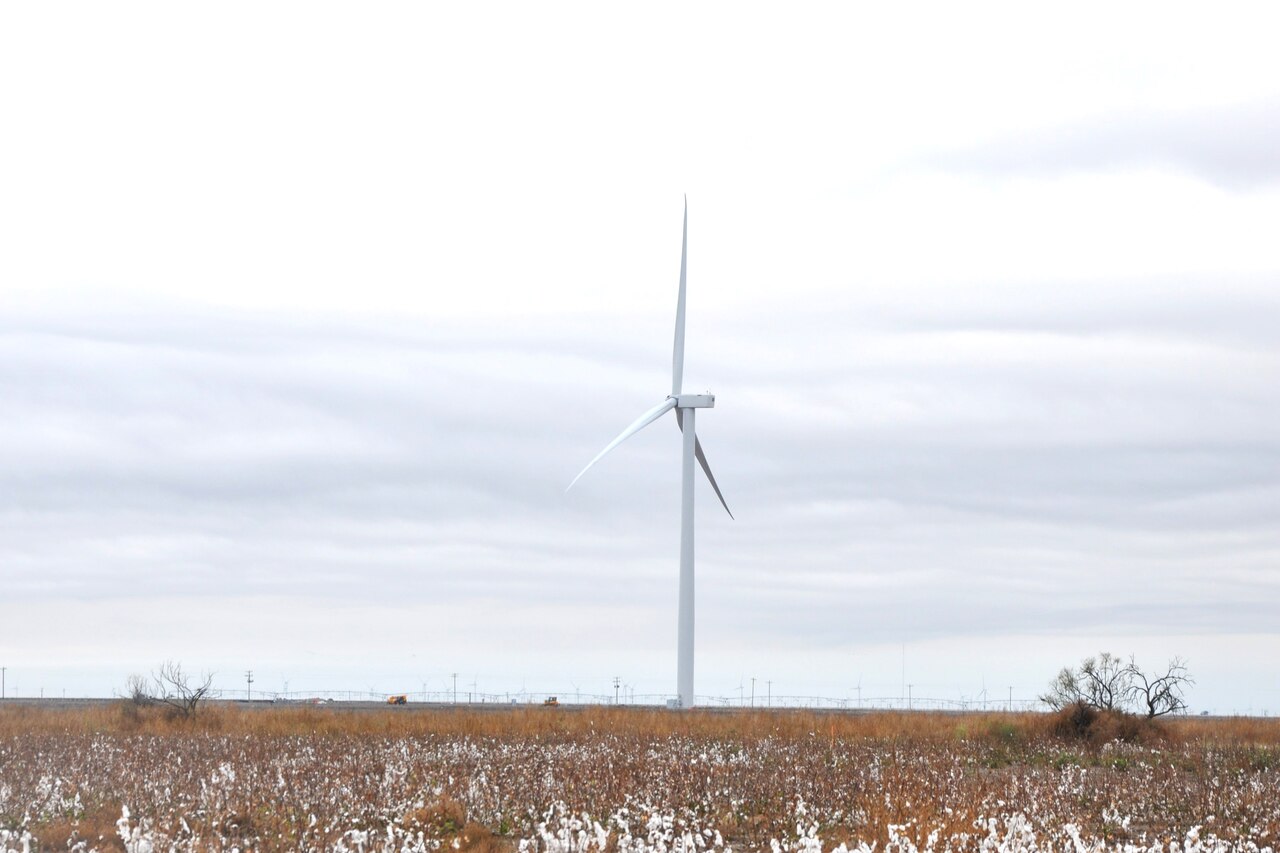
(924, 475)
(1230, 145)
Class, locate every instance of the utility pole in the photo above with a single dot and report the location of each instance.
(455, 688)
(616, 682)
(753, 691)
(248, 685)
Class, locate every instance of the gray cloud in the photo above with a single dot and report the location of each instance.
(991, 467)
(1231, 146)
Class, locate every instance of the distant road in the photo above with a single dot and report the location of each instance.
(371, 705)
(36, 702)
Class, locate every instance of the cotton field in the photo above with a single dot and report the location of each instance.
(609, 782)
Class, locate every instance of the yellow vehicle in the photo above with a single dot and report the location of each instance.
(401, 699)
(551, 702)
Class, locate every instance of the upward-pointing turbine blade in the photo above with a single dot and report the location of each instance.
(677, 356)
(639, 424)
(702, 460)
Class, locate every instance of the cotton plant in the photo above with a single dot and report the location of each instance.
(639, 794)
(16, 841)
(135, 838)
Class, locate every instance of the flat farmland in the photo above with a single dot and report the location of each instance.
(122, 777)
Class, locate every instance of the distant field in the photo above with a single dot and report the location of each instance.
(117, 776)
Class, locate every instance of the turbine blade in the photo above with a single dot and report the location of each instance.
(677, 356)
(639, 424)
(702, 460)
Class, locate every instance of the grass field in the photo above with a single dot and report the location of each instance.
(127, 777)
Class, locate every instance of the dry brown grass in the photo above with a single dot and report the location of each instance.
(1234, 731)
(124, 717)
(303, 776)
(443, 816)
(224, 718)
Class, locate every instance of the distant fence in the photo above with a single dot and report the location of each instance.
(654, 700)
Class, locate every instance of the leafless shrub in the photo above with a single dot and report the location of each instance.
(1102, 682)
(137, 690)
(1160, 695)
(1107, 683)
(176, 690)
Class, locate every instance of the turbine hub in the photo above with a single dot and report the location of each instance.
(694, 401)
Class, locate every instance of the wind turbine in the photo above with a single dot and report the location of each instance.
(685, 405)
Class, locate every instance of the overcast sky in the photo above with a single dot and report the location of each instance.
(310, 312)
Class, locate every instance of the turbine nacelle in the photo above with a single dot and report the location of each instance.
(693, 401)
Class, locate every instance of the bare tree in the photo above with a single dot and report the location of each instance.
(1103, 681)
(1106, 683)
(176, 689)
(1160, 695)
(138, 690)
(1064, 690)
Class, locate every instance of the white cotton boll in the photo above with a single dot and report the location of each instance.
(1074, 832)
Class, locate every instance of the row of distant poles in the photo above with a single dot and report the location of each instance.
(248, 685)
(617, 688)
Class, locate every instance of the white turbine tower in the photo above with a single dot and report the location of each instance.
(685, 405)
